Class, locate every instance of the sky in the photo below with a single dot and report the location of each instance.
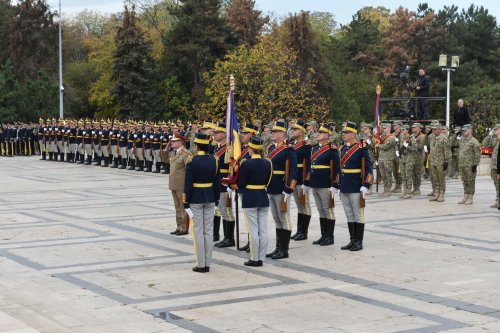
(342, 10)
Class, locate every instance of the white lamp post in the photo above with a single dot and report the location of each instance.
(61, 87)
(443, 62)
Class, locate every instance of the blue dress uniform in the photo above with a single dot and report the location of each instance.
(354, 180)
(123, 142)
(224, 210)
(254, 176)
(87, 143)
(79, 143)
(41, 139)
(156, 148)
(131, 148)
(301, 192)
(280, 189)
(324, 174)
(103, 142)
(114, 153)
(148, 146)
(201, 195)
(72, 143)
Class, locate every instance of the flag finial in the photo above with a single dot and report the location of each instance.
(379, 89)
(232, 82)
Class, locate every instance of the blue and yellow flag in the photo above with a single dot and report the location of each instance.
(232, 136)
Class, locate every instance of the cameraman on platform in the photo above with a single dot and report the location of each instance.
(423, 91)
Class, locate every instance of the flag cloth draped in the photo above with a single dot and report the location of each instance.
(376, 124)
(232, 136)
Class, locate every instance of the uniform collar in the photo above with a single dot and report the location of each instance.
(256, 156)
(201, 153)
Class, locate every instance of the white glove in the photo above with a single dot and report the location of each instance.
(405, 144)
(215, 210)
(100, 132)
(333, 190)
(57, 129)
(229, 191)
(459, 137)
(93, 132)
(286, 195)
(143, 136)
(426, 149)
(135, 135)
(84, 132)
(118, 135)
(151, 136)
(161, 137)
(189, 212)
(363, 191)
(369, 141)
(376, 163)
(397, 153)
(397, 140)
(304, 187)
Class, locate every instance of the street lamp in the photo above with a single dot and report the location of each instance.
(443, 62)
(61, 87)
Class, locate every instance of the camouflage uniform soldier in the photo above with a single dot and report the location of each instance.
(454, 141)
(418, 157)
(396, 169)
(407, 147)
(493, 141)
(439, 159)
(312, 126)
(266, 138)
(470, 156)
(335, 138)
(386, 157)
(428, 142)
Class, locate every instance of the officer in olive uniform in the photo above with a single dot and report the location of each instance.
(354, 183)
(254, 176)
(201, 195)
(439, 158)
(283, 183)
(323, 179)
(387, 154)
(397, 125)
(418, 157)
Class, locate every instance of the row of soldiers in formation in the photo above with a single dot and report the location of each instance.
(293, 168)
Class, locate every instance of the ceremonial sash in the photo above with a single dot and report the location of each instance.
(221, 151)
(298, 145)
(319, 152)
(349, 153)
(276, 151)
(387, 137)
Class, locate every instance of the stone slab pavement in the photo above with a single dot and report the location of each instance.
(88, 249)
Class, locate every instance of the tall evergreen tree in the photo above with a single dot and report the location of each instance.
(245, 21)
(33, 39)
(199, 37)
(134, 70)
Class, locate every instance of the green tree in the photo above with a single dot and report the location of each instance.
(268, 84)
(6, 15)
(199, 37)
(245, 21)
(134, 71)
(33, 39)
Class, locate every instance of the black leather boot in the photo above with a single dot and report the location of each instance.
(246, 247)
(359, 231)
(106, 162)
(305, 227)
(278, 243)
(216, 228)
(140, 165)
(299, 225)
(50, 156)
(330, 227)
(285, 242)
(322, 223)
(62, 157)
(115, 163)
(132, 165)
(123, 163)
(98, 161)
(348, 246)
(228, 240)
(157, 167)
(89, 160)
(44, 155)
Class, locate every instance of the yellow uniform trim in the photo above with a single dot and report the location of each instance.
(201, 153)
(254, 146)
(202, 185)
(224, 170)
(256, 187)
(300, 165)
(351, 170)
(320, 167)
(278, 172)
(200, 141)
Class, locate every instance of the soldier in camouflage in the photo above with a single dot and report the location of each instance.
(470, 156)
(397, 125)
(418, 157)
(454, 140)
(312, 126)
(387, 154)
(493, 141)
(439, 159)
(407, 147)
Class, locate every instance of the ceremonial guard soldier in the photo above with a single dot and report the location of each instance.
(224, 206)
(439, 157)
(96, 128)
(301, 191)
(72, 141)
(42, 128)
(247, 132)
(59, 148)
(79, 143)
(148, 146)
(355, 180)
(369, 142)
(201, 195)
(254, 176)
(131, 137)
(114, 152)
(156, 145)
(104, 145)
(52, 141)
(179, 157)
(323, 179)
(139, 137)
(283, 183)
(87, 142)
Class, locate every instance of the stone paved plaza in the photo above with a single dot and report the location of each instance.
(88, 249)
